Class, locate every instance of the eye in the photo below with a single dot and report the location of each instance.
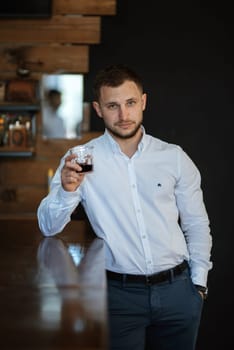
(112, 106)
(131, 103)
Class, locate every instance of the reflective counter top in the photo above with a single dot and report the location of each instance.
(52, 290)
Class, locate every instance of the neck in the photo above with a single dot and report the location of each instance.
(129, 145)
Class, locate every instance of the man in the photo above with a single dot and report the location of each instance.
(145, 201)
(53, 125)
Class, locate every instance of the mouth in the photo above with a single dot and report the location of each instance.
(124, 125)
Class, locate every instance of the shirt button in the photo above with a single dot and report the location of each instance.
(144, 237)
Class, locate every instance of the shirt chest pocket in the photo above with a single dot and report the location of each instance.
(159, 187)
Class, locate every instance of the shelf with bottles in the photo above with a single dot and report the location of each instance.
(17, 130)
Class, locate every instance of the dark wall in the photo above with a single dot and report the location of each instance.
(183, 50)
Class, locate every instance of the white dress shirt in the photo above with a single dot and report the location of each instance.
(148, 209)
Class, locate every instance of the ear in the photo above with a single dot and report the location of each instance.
(144, 99)
(97, 108)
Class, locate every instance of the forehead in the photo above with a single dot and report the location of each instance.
(125, 91)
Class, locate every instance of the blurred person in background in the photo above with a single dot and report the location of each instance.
(53, 125)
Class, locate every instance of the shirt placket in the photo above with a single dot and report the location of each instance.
(139, 217)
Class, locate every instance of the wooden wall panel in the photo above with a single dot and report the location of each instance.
(29, 173)
(59, 29)
(73, 22)
(47, 59)
(26, 201)
(85, 7)
(73, 59)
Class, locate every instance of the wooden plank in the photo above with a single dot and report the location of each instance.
(35, 175)
(47, 59)
(59, 29)
(26, 201)
(6, 75)
(85, 7)
(73, 59)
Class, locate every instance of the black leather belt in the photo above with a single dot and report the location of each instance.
(149, 279)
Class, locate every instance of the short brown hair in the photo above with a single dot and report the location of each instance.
(115, 75)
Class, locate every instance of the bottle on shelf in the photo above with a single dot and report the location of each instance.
(17, 135)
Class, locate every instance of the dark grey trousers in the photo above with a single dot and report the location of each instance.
(165, 316)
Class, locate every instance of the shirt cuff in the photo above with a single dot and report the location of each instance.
(199, 276)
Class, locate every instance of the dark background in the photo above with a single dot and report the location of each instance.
(183, 51)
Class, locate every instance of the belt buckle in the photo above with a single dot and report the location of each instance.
(148, 280)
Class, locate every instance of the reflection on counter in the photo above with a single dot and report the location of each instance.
(76, 277)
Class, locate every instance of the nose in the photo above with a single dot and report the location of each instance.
(123, 112)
